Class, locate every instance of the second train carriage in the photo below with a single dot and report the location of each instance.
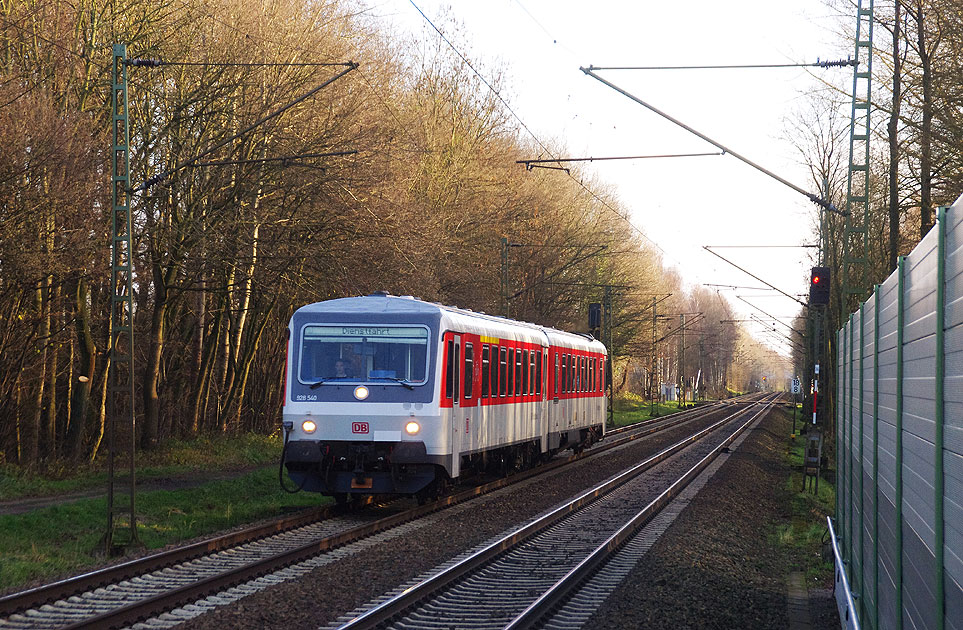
(388, 394)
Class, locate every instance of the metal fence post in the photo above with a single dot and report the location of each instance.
(900, 324)
(876, 295)
(841, 455)
(862, 507)
(849, 455)
(938, 524)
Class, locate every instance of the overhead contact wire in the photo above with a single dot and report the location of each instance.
(530, 132)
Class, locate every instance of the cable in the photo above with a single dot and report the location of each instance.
(818, 64)
(532, 163)
(532, 134)
(154, 63)
(162, 176)
(283, 158)
(816, 199)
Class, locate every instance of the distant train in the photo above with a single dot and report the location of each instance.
(394, 395)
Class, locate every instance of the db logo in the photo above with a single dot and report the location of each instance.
(359, 427)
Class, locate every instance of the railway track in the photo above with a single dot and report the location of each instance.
(154, 585)
(515, 582)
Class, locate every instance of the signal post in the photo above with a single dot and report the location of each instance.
(819, 283)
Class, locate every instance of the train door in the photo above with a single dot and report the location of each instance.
(469, 407)
(453, 384)
(541, 415)
(554, 406)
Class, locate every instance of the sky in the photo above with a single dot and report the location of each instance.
(682, 204)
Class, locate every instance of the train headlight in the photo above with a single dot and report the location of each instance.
(309, 426)
(360, 392)
(412, 428)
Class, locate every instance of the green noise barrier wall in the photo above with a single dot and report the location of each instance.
(899, 440)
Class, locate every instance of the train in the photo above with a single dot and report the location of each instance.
(394, 395)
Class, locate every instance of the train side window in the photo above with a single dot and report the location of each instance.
(503, 376)
(564, 373)
(556, 374)
(519, 376)
(456, 363)
(525, 379)
(584, 381)
(469, 370)
(449, 369)
(531, 372)
(511, 373)
(591, 376)
(572, 383)
(510, 365)
(486, 365)
(571, 372)
(578, 373)
(538, 372)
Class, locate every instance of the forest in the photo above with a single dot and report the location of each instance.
(400, 175)
(915, 150)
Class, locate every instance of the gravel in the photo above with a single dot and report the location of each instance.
(715, 568)
(718, 565)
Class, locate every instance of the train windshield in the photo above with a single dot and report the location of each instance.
(364, 354)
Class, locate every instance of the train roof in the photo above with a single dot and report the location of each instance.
(406, 304)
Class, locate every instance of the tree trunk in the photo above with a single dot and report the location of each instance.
(150, 433)
(245, 367)
(926, 128)
(30, 451)
(893, 133)
(87, 359)
(206, 373)
(102, 411)
(50, 421)
(236, 390)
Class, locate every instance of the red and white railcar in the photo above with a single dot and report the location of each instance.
(387, 394)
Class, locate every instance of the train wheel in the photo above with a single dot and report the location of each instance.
(427, 493)
(340, 498)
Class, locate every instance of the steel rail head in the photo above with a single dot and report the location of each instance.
(31, 598)
(559, 591)
(395, 605)
(134, 612)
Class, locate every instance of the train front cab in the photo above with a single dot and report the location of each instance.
(378, 429)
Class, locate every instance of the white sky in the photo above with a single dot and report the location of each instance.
(682, 204)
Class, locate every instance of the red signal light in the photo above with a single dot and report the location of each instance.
(819, 286)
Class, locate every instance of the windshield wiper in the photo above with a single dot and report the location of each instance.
(318, 383)
(403, 381)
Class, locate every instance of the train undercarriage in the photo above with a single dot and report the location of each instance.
(345, 469)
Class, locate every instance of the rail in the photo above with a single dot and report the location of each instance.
(153, 605)
(848, 619)
(393, 606)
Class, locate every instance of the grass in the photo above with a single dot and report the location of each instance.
(630, 409)
(804, 532)
(50, 542)
(173, 459)
(46, 543)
